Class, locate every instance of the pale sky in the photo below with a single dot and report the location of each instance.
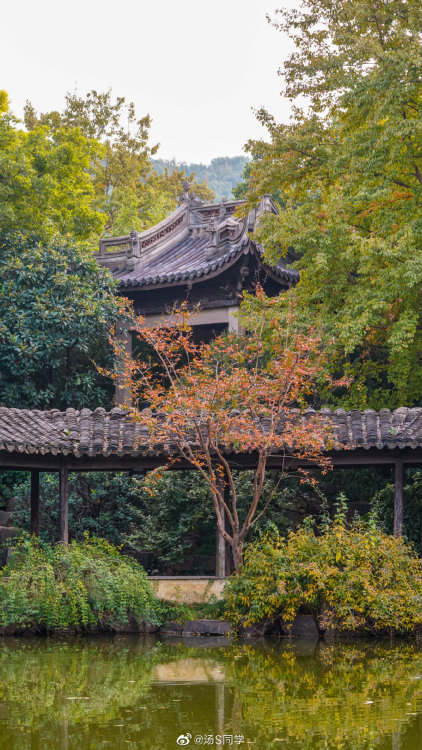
(198, 68)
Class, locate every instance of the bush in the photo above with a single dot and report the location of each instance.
(348, 576)
(83, 586)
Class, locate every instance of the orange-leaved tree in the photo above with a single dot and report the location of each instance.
(203, 405)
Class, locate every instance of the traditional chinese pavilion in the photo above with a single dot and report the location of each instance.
(201, 253)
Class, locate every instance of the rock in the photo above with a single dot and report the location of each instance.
(263, 628)
(171, 628)
(206, 627)
(148, 627)
(133, 626)
(4, 518)
(339, 634)
(304, 626)
(11, 504)
(9, 630)
(8, 531)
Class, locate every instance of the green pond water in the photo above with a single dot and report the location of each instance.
(127, 692)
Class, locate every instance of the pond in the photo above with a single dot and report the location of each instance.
(122, 692)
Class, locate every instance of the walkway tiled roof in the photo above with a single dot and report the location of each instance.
(95, 433)
(196, 242)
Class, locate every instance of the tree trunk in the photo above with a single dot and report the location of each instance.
(237, 554)
(222, 551)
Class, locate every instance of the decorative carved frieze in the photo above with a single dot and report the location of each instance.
(163, 232)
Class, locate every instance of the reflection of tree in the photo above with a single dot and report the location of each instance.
(312, 699)
(324, 700)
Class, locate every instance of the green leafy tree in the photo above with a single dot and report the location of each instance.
(56, 309)
(349, 167)
(222, 174)
(128, 192)
(45, 180)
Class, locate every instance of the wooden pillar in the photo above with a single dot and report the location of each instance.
(63, 505)
(124, 336)
(233, 320)
(35, 502)
(398, 498)
(222, 548)
(420, 548)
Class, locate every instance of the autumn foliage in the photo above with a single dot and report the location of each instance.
(351, 577)
(206, 406)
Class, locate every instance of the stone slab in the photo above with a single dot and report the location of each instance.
(186, 589)
(206, 627)
(6, 532)
(171, 628)
(132, 626)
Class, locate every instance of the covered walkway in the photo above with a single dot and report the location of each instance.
(85, 440)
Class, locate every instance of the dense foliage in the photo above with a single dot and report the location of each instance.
(56, 309)
(349, 576)
(161, 531)
(45, 178)
(84, 585)
(221, 175)
(349, 168)
(126, 191)
(382, 507)
(172, 530)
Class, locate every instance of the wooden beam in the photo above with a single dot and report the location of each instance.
(35, 502)
(113, 462)
(398, 498)
(63, 505)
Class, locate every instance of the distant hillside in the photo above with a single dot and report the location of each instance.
(222, 175)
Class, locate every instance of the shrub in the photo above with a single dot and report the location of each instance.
(82, 586)
(348, 576)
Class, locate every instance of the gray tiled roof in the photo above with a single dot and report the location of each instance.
(195, 242)
(186, 261)
(94, 433)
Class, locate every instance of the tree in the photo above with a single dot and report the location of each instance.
(349, 168)
(45, 181)
(56, 309)
(208, 401)
(128, 193)
(222, 174)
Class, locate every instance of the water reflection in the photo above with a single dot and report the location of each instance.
(94, 693)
